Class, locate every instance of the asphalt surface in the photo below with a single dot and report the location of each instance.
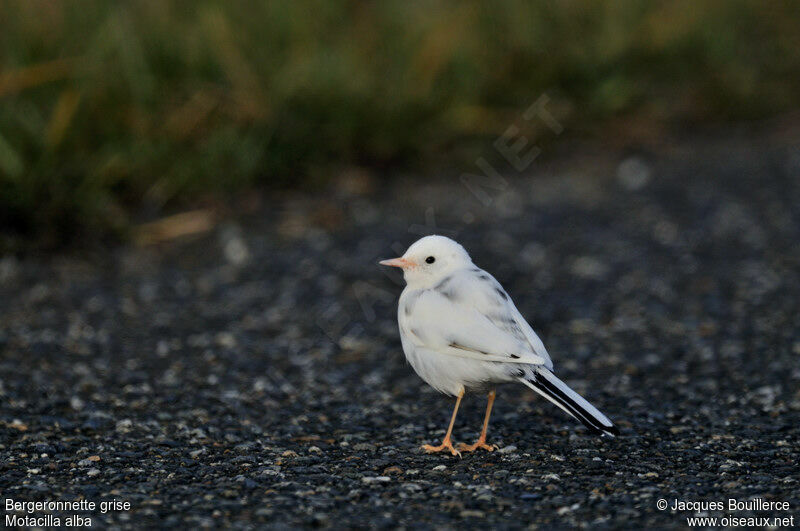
(253, 376)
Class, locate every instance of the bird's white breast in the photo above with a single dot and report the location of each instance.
(445, 373)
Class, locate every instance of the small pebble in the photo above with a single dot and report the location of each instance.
(376, 479)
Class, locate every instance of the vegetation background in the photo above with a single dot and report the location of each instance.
(113, 112)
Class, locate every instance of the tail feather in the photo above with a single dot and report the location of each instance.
(549, 386)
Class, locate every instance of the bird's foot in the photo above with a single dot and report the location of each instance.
(480, 443)
(447, 444)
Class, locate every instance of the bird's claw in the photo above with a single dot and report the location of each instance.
(479, 444)
(446, 445)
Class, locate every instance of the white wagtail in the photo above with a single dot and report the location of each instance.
(460, 330)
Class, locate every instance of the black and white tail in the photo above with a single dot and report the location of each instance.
(546, 384)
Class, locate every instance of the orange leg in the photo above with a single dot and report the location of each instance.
(447, 444)
(481, 442)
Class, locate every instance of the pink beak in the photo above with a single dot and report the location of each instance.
(397, 262)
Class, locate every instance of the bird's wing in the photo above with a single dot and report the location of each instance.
(492, 300)
(533, 339)
(467, 317)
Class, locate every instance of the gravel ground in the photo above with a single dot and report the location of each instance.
(253, 376)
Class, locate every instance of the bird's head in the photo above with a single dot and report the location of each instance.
(429, 260)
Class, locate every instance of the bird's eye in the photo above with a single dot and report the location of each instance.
(430, 260)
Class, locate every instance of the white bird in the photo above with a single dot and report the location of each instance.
(460, 330)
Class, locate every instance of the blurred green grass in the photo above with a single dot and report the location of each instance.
(107, 108)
